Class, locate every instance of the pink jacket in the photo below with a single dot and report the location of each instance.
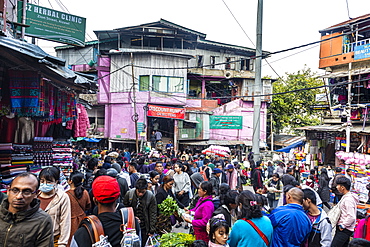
(348, 208)
(202, 213)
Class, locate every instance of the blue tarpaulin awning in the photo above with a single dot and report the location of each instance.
(92, 139)
(287, 149)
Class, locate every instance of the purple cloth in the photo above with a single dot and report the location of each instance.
(202, 213)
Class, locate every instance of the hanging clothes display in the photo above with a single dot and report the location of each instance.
(25, 130)
(24, 92)
(82, 124)
(8, 126)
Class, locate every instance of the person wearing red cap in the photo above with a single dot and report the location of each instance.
(105, 191)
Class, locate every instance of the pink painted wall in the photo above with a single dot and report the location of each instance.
(239, 108)
(118, 120)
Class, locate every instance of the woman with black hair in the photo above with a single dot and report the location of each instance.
(202, 211)
(251, 221)
(80, 200)
(56, 203)
(324, 190)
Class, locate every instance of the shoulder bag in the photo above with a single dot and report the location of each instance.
(262, 235)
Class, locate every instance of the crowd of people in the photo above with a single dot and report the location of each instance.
(283, 210)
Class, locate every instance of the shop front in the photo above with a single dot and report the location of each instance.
(39, 110)
(164, 119)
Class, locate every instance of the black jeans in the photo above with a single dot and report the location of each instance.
(341, 238)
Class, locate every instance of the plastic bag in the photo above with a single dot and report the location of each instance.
(152, 242)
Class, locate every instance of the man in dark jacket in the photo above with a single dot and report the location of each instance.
(215, 181)
(22, 222)
(145, 207)
(106, 192)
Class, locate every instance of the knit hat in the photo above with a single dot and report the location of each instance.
(197, 178)
(105, 189)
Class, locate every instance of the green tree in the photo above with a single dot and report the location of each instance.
(292, 110)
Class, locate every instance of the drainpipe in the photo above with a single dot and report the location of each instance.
(23, 29)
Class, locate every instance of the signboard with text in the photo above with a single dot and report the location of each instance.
(166, 112)
(362, 51)
(53, 25)
(226, 122)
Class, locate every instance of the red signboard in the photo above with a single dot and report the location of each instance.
(166, 112)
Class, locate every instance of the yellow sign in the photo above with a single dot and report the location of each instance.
(123, 130)
(143, 134)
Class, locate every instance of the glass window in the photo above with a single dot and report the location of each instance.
(144, 83)
(160, 83)
(175, 85)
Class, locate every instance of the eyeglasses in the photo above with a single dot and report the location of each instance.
(26, 192)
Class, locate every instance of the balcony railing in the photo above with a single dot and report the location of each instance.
(351, 47)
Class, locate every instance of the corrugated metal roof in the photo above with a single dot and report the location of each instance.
(15, 52)
(345, 73)
(337, 128)
(290, 141)
(345, 23)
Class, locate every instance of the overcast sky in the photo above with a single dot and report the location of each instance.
(286, 23)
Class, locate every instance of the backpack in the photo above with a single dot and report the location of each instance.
(202, 171)
(95, 230)
(130, 237)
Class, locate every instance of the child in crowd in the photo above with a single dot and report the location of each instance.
(310, 182)
(218, 232)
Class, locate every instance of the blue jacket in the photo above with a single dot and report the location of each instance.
(291, 226)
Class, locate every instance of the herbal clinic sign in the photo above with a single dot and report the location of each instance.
(53, 25)
(362, 51)
(226, 122)
(166, 112)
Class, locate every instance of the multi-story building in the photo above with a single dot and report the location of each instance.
(180, 82)
(345, 56)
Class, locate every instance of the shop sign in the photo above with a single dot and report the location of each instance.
(321, 97)
(362, 51)
(319, 107)
(142, 134)
(166, 112)
(140, 127)
(184, 136)
(226, 122)
(53, 25)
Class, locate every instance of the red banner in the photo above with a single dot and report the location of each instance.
(166, 112)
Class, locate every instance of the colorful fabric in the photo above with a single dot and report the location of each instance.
(24, 92)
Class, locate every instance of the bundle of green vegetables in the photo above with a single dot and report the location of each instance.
(176, 240)
(168, 207)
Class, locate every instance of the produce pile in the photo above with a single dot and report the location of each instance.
(168, 207)
(176, 240)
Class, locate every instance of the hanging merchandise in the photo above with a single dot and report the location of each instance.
(24, 92)
(25, 130)
(81, 124)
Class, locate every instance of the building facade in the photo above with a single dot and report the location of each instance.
(173, 79)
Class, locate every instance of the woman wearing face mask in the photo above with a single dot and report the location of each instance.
(56, 203)
(250, 220)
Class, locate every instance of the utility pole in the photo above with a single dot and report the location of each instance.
(257, 86)
(135, 117)
(23, 28)
(272, 133)
(348, 109)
